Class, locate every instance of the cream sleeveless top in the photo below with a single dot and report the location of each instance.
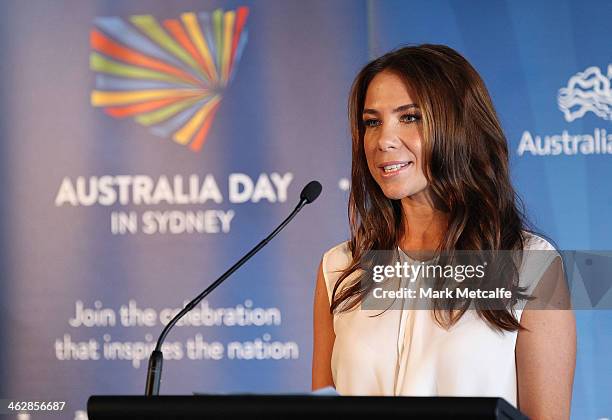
(405, 352)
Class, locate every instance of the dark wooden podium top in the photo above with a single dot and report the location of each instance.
(247, 407)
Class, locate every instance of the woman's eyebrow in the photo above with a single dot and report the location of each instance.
(405, 107)
(398, 109)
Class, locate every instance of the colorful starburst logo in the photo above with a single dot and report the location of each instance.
(168, 77)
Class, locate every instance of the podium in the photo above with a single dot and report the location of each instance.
(248, 407)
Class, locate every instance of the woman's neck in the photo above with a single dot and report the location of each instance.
(424, 225)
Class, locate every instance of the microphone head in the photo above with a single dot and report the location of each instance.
(311, 191)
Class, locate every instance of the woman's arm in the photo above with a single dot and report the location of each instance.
(546, 353)
(323, 336)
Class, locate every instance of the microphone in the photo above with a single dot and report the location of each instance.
(309, 194)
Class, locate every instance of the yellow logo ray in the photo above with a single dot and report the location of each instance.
(185, 133)
(103, 98)
(162, 114)
(228, 27)
(148, 25)
(190, 21)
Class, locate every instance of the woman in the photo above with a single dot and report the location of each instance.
(430, 172)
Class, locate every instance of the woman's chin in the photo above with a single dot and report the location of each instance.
(401, 193)
(394, 194)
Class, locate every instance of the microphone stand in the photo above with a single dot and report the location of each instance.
(156, 359)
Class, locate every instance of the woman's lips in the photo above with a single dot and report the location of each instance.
(394, 168)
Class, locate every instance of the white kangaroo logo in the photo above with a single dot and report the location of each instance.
(587, 91)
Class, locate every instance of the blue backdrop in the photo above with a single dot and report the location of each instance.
(112, 195)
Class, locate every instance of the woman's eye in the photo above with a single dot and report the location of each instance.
(410, 118)
(371, 122)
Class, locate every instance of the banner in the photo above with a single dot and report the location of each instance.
(146, 146)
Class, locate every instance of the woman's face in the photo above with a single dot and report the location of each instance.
(392, 139)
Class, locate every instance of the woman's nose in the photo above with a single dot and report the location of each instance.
(388, 138)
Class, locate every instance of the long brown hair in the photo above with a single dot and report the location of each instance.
(465, 162)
